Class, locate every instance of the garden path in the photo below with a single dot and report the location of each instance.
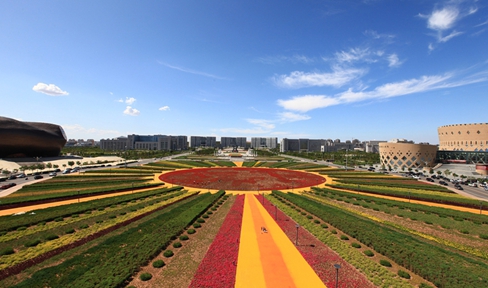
(267, 258)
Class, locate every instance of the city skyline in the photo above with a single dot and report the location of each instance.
(368, 70)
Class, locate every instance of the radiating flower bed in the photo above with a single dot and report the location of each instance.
(218, 268)
(320, 257)
(243, 179)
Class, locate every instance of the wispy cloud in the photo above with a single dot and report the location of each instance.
(357, 55)
(394, 61)
(265, 124)
(164, 108)
(304, 103)
(49, 89)
(128, 101)
(443, 20)
(131, 111)
(191, 71)
(337, 78)
(280, 59)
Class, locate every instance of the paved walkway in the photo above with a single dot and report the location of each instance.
(268, 258)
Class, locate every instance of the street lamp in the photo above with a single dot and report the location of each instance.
(337, 267)
(296, 240)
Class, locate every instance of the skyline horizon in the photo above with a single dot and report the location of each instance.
(386, 69)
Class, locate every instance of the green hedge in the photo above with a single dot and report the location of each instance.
(114, 260)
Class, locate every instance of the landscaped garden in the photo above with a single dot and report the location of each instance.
(163, 234)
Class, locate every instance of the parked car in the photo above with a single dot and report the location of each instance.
(6, 186)
(429, 179)
(12, 177)
(57, 170)
(443, 183)
(473, 184)
(38, 177)
(458, 187)
(52, 174)
(21, 176)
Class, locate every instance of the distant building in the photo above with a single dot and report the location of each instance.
(404, 154)
(264, 142)
(464, 137)
(145, 142)
(30, 139)
(372, 146)
(203, 141)
(233, 142)
(317, 145)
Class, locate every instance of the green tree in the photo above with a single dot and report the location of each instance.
(49, 165)
(55, 166)
(71, 163)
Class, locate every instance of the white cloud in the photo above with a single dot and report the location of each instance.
(443, 19)
(354, 55)
(286, 117)
(130, 101)
(131, 111)
(164, 108)
(417, 85)
(337, 78)
(49, 89)
(266, 124)
(448, 37)
(307, 102)
(393, 60)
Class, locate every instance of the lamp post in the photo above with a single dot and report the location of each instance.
(337, 267)
(296, 240)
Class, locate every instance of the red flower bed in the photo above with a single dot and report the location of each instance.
(218, 268)
(319, 256)
(243, 179)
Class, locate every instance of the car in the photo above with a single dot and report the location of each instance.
(3, 179)
(473, 184)
(458, 187)
(429, 179)
(52, 174)
(6, 186)
(12, 177)
(21, 176)
(38, 177)
(486, 188)
(443, 183)
(57, 170)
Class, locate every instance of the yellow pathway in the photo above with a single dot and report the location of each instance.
(269, 259)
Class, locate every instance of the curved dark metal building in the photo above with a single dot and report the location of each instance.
(30, 139)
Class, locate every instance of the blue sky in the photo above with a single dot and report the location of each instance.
(368, 69)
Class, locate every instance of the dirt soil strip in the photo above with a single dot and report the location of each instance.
(267, 258)
(180, 268)
(12, 270)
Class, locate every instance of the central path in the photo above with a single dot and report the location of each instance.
(269, 259)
